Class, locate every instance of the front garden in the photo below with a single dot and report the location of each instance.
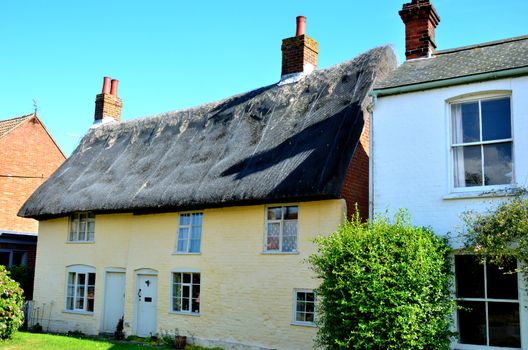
(25, 340)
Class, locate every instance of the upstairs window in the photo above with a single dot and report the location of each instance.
(189, 233)
(82, 227)
(482, 142)
(281, 229)
(80, 290)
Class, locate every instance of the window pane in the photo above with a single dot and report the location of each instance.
(71, 278)
(81, 277)
(468, 166)
(309, 317)
(185, 219)
(291, 213)
(498, 163)
(182, 245)
(194, 246)
(273, 236)
(501, 285)
(69, 303)
(177, 278)
(176, 290)
(289, 243)
(69, 292)
(504, 328)
(472, 322)
(301, 296)
(275, 213)
(91, 279)
(196, 298)
(466, 122)
(19, 258)
(197, 219)
(73, 229)
(301, 306)
(186, 278)
(299, 316)
(176, 304)
(90, 305)
(310, 297)
(310, 307)
(196, 278)
(196, 232)
(496, 120)
(185, 304)
(469, 277)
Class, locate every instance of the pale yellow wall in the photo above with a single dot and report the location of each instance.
(246, 296)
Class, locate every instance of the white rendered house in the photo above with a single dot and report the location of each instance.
(449, 134)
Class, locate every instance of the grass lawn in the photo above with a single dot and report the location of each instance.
(23, 341)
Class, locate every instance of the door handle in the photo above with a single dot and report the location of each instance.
(139, 293)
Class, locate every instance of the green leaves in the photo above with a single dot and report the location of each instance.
(384, 286)
(11, 303)
(500, 234)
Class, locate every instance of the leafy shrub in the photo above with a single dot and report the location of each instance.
(11, 305)
(500, 233)
(384, 286)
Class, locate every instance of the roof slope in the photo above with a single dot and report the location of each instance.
(465, 61)
(6, 126)
(276, 143)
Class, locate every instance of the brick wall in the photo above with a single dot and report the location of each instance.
(29, 156)
(356, 185)
(297, 52)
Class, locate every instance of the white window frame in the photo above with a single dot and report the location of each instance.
(478, 97)
(78, 270)
(281, 232)
(190, 285)
(522, 301)
(189, 227)
(74, 236)
(294, 310)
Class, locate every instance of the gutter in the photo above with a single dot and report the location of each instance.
(450, 82)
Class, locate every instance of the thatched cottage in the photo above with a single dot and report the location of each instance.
(202, 219)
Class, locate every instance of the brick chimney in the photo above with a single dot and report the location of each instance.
(299, 53)
(107, 104)
(421, 19)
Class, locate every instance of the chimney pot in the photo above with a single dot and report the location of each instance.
(107, 105)
(301, 26)
(106, 85)
(113, 90)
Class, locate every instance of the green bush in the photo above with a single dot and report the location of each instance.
(499, 234)
(384, 286)
(11, 305)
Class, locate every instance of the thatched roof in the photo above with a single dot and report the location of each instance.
(278, 143)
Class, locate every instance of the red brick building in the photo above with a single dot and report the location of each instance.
(28, 155)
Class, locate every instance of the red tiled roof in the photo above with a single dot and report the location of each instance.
(6, 126)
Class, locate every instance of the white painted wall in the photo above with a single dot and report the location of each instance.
(411, 156)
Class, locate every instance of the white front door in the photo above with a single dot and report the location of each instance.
(147, 296)
(114, 300)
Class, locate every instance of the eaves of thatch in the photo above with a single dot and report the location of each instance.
(279, 143)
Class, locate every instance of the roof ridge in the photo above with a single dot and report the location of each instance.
(484, 44)
(8, 125)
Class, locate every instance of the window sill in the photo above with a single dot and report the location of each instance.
(185, 313)
(80, 242)
(483, 193)
(278, 253)
(303, 324)
(184, 253)
(78, 312)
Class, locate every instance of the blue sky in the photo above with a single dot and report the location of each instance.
(174, 54)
